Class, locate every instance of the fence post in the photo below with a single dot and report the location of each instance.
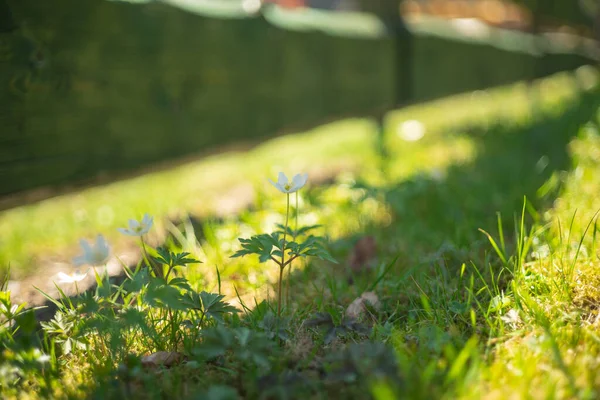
(389, 13)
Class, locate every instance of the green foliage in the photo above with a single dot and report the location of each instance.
(275, 328)
(22, 360)
(333, 329)
(171, 259)
(478, 290)
(362, 362)
(209, 304)
(244, 348)
(269, 246)
(65, 330)
(262, 245)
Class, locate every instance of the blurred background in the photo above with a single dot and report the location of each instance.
(113, 108)
(97, 89)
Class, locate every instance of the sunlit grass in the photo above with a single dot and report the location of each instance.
(461, 314)
(551, 345)
(35, 234)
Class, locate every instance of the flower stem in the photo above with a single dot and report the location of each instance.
(282, 265)
(279, 290)
(147, 258)
(287, 284)
(296, 227)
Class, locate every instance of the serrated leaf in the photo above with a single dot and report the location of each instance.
(160, 294)
(136, 282)
(214, 306)
(174, 259)
(261, 245)
(181, 283)
(192, 300)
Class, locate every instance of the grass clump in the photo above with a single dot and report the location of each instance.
(467, 268)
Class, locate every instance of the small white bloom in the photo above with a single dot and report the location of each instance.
(511, 318)
(44, 358)
(138, 228)
(411, 131)
(97, 255)
(71, 278)
(283, 185)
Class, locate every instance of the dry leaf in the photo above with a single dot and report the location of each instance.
(162, 358)
(358, 308)
(363, 253)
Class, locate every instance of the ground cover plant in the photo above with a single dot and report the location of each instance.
(460, 261)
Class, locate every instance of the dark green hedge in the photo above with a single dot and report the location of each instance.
(569, 12)
(96, 86)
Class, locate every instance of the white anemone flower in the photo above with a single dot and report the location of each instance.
(71, 278)
(138, 228)
(284, 186)
(93, 255)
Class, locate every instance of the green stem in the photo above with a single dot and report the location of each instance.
(296, 227)
(169, 269)
(287, 284)
(282, 265)
(147, 259)
(279, 290)
(173, 330)
(107, 276)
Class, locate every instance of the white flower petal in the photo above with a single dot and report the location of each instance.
(147, 221)
(96, 255)
(137, 228)
(133, 224)
(102, 244)
(71, 278)
(87, 249)
(64, 277)
(277, 186)
(284, 186)
(298, 181)
(282, 180)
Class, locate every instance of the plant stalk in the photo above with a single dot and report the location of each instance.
(282, 265)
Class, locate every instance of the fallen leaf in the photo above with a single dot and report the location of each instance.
(363, 253)
(358, 307)
(162, 358)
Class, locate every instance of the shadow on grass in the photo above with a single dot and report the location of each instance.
(439, 217)
(436, 220)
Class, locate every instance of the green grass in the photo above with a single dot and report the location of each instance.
(486, 267)
(34, 235)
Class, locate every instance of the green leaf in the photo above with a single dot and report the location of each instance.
(300, 231)
(313, 247)
(181, 283)
(192, 300)
(160, 294)
(167, 257)
(136, 282)
(215, 342)
(262, 245)
(214, 306)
